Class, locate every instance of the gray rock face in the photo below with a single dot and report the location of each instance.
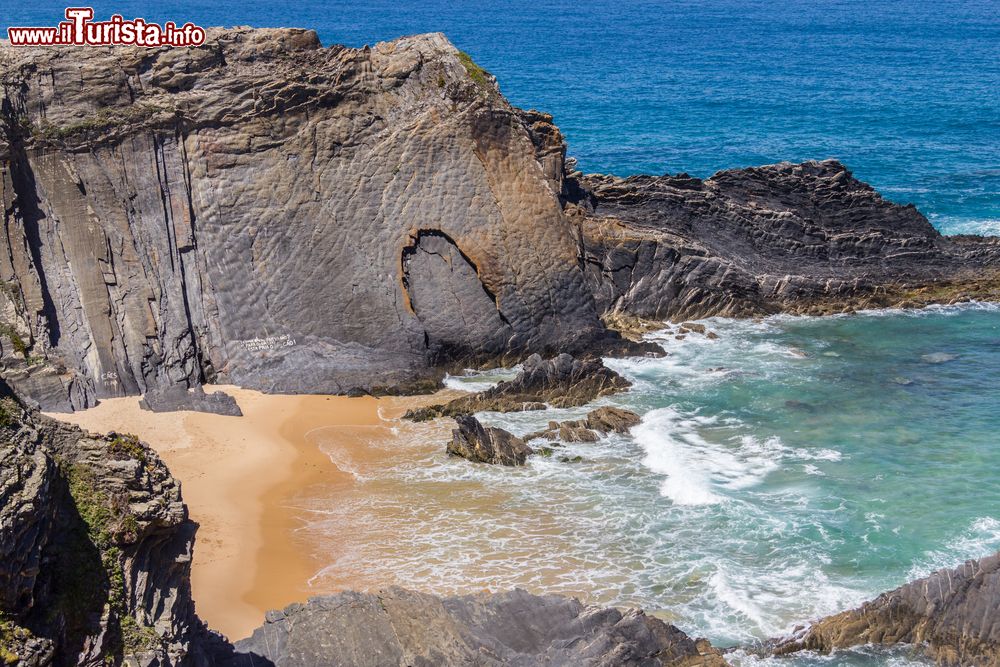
(95, 550)
(398, 627)
(287, 217)
(486, 444)
(171, 399)
(954, 614)
(786, 237)
(277, 215)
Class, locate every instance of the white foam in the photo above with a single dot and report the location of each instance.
(698, 470)
(981, 538)
(950, 225)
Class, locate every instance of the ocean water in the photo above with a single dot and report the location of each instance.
(905, 92)
(793, 467)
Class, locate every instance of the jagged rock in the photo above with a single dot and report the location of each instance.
(486, 444)
(603, 420)
(560, 382)
(401, 627)
(95, 548)
(179, 216)
(786, 237)
(612, 420)
(20, 648)
(175, 398)
(954, 613)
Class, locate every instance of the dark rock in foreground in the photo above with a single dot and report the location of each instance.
(95, 548)
(400, 627)
(954, 613)
(486, 444)
(560, 382)
(178, 397)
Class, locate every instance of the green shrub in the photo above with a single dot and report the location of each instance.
(479, 76)
(19, 345)
(126, 445)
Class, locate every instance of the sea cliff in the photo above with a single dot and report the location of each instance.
(282, 216)
(267, 212)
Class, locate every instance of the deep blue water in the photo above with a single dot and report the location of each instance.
(793, 467)
(905, 92)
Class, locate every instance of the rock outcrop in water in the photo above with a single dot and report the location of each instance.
(953, 613)
(600, 421)
(287, 217)
(560, 382)
(95, 548)
(486, 444)
(787, 237)
(505, 629)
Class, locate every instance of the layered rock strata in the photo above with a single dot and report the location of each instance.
(953, 614)
(95, 548)
(780, 238)
(271, 213)
(268, 212)
(504, 629)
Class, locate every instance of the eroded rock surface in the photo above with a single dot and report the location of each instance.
(561, 382)
(268, 212)
(95, 548)
(598, 422)
(786, 237)
(486, 444)
(401, 627)
(953, 613)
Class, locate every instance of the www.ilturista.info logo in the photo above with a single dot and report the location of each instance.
(80, 30)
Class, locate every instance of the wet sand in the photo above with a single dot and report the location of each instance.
(240, 476)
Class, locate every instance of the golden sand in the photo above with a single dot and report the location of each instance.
(239, 476)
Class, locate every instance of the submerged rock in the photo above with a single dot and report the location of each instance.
(516, 629)
(938, 358)
(953, 613)
(612, 420)
(487, 444)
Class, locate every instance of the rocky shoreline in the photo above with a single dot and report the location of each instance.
(425, 224)
(145, 252)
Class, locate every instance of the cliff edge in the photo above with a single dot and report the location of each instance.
(271, 213)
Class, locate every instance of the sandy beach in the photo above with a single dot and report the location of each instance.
(238, 476)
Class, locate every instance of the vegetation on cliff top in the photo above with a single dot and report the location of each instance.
(11, 637)
(109, 523)
(479, 76)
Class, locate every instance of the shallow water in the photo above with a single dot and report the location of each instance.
(790, 469)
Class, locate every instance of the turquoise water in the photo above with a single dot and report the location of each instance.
(794, 466)
(789, 469)
(905, 92)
